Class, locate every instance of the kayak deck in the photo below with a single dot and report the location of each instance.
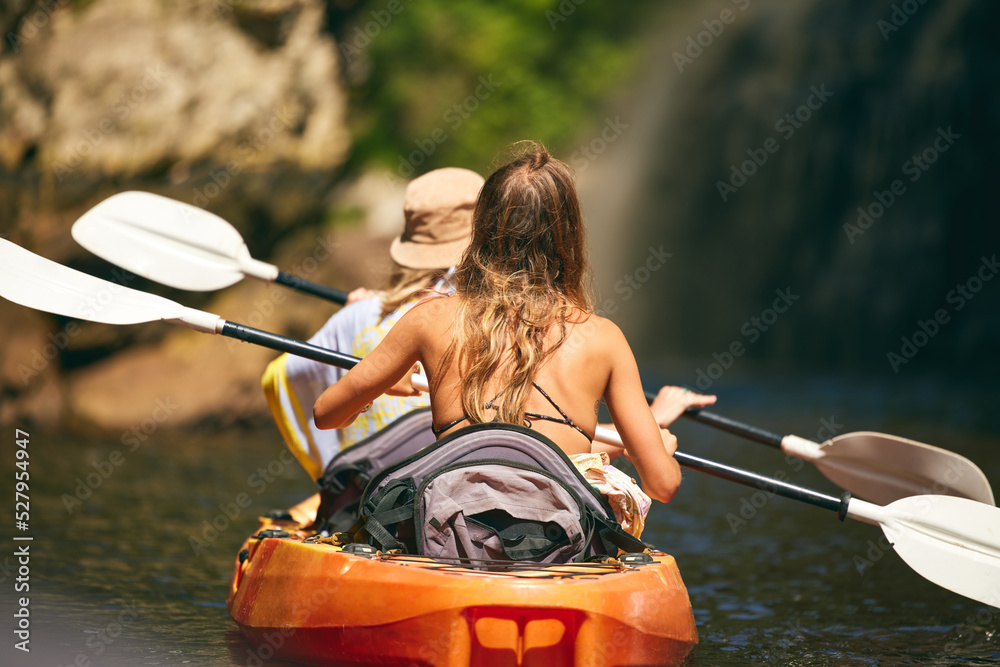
(313, 602)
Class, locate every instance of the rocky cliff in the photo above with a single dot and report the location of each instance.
(234, 105)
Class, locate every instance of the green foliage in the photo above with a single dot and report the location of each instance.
(543, 70)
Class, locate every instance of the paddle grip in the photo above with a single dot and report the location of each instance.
(730, 425)
(768, 485)
(302, 285)
(289, 345)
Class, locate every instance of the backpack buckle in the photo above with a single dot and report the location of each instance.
(635, 560)
(271, 532)
(363, 550)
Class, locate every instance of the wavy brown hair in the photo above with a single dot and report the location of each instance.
(523, 276)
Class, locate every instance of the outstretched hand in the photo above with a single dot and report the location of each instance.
(671, 402)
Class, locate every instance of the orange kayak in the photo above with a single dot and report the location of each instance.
(306, 599)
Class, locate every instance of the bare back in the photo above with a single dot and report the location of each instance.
(574, 378)
(594, 362)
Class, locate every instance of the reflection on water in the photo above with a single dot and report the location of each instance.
(137, 573)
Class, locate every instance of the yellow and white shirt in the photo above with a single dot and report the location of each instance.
(292, 385)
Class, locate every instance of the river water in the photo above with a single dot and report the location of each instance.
(115, 578)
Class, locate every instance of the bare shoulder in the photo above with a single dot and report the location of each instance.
(595, 343)
(596, 332)
(429, 317)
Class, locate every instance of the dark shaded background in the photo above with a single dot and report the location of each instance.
(694, 94)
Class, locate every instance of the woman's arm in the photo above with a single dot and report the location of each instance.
(650, 448)
(387, 364)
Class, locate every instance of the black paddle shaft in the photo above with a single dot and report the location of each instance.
(766, 484)
(285, 344)
(730, 425)
(302, 285)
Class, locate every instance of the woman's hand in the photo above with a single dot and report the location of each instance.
(669, 441)
(359, 294)
(671, 402)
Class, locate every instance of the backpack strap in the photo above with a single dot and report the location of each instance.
(521, 540)
(612, 535)
(381, 514)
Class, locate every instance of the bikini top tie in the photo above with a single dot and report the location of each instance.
(528, 416)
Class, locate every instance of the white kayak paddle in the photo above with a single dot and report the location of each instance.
(178, 245)
(952, 542)
(878, 467)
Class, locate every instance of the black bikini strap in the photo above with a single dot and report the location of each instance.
(439, 431)
(489, 405)
(565, 417)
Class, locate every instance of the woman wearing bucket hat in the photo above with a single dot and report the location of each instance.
(437, 211)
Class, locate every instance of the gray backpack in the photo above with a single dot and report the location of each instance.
(348, 473)
(490, 492)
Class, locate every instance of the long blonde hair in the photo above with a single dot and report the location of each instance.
(405, 283)
(525, 272)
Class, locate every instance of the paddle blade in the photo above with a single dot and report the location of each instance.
(952, 542)
(168, 241)
(884, 468)
(42, 284)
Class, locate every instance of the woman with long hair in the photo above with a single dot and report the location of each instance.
(437, 213)
(518, 341)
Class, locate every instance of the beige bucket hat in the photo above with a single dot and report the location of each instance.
(438, 212)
